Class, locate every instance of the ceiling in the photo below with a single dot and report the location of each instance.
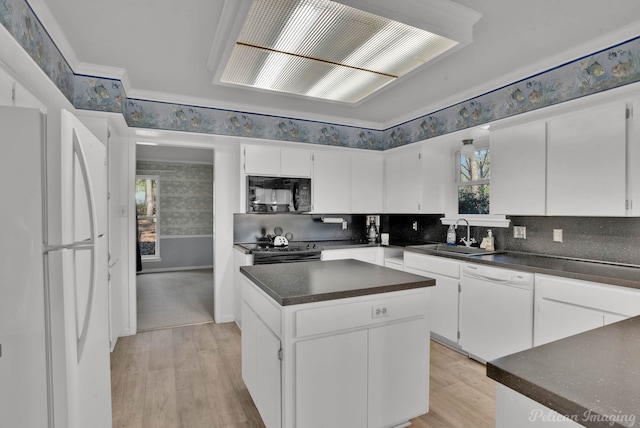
(160, 48)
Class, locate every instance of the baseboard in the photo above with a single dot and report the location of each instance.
(174, 269)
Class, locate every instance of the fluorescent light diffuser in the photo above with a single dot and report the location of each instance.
(325, 49)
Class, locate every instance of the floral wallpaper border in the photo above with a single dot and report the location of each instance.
(609, 68)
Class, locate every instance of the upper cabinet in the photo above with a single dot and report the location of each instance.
(367, 183)
(586, 162)
(331, 182)
(436, 175)
(276, 161)
(403, 168)
(518, 170)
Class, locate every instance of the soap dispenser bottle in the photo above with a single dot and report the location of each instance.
(490, 244)
(451, 235)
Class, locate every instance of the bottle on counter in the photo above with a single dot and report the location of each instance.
(372, 233)
(490, 243)
(451, 235)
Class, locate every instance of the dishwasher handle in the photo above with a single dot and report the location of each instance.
(498, 276)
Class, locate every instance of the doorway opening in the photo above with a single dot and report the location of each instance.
(174, 216)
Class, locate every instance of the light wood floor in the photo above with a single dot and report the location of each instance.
(189, 377)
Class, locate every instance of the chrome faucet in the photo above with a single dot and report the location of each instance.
(467, 242)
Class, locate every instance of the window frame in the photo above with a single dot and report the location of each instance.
(458, 183)
(156, 178)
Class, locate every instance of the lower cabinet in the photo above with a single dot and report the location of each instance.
(261, 369)
(443, 298)
(374, 255)
(564, 307)
(356, 362)
(331, 373)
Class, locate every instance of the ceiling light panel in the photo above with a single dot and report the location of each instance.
(324, 49)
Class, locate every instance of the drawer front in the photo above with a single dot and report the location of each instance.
(603, 297)
(360, 314)
(423, 263)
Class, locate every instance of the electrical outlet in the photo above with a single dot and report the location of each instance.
(557, 235)
(344, 225)
(520, 232)
(379, 312)
(415, 225)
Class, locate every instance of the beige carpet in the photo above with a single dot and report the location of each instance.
(170, 299)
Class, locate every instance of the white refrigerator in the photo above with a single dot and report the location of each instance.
(54, 338)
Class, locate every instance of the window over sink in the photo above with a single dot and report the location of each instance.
(472, 181)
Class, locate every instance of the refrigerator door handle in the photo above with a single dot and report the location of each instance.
(82, 160)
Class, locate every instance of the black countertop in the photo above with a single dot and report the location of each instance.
(592, 377)
(305, 282)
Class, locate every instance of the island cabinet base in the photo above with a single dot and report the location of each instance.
(516, 410)
(357, 362)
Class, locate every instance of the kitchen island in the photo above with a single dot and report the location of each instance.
(335, 343)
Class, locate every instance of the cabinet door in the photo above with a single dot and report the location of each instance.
(331, 182)
(402, 181)
(518, 170)
(261, 368)
(295, 162)
(556, 320)
(261, 160)
(437, 179)
(586, 163)
(367, 183)
(443, 307)
(331, 381)
(398, 373)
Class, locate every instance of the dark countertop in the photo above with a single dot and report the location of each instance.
(595, 271)
(247, 248)
(588, 377)
(625, 276)
(305, 282)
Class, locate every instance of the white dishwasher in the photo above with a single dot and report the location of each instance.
(496, 311)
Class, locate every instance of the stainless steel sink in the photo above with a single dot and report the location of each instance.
(455, 249)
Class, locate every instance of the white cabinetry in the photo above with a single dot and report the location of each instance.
(261, 366)
(403, 168)
(12, 93)
(377, 373)
(586, 162)
(276, 161)
(331, 182)
(518, 170)
(367, 183)
(443, 298)
(240, 258)
(374, 255)
(564, 307)
(340, 365)
(436, 176)
(321, 384)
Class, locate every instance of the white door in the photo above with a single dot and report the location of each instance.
(586, 162)
(84, 275)
(557, 320)
(331, 182)
(331, 381)
(398, 373)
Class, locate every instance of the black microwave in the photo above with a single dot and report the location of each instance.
(278, 194)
